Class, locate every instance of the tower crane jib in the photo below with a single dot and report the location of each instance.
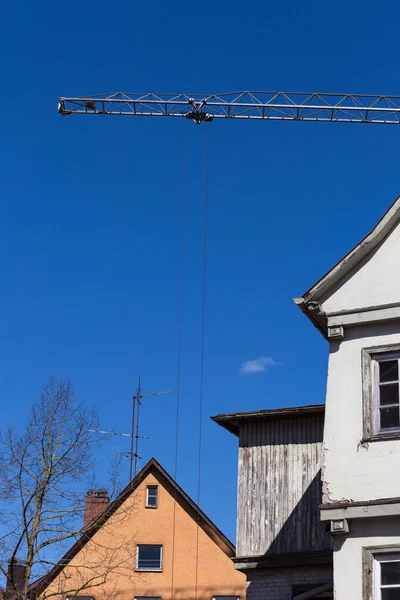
(281, 106)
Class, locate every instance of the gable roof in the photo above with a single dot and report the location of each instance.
(153, 467)
(232, 422)
(309, 301)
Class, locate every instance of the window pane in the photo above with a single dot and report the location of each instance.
(390, 573)
(152, 493)
(390, 418)
(390, 593)
(389, 394)
(389, 370)
(149, 557)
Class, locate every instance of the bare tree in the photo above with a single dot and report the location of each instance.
(42, 471)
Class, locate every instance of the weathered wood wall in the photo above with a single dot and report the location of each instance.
(279, 487)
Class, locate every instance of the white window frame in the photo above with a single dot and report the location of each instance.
(226, 598)
(378, 560)
(147, 497)
(371, 357)
(150, 569)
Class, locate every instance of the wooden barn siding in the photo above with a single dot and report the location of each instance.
(280, 487)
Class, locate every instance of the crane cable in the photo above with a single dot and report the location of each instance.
(180, 327)
(203, 314)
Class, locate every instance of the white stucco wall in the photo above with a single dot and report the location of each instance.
(376, 282)
(351, 471)
(347, 557)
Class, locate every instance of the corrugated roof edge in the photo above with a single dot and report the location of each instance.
(231, 422)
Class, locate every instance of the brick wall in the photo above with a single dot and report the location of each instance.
(95, 503)
(276, 584)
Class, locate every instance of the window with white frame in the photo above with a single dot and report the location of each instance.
(149, 557)
(152, 496)
(386, 575)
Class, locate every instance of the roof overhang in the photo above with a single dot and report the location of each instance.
(273, 561)
(350, 509)
(310, 303)
(232, 422)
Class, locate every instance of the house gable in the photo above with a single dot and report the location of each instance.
(374, 281)
(364, 281)
(109, 547)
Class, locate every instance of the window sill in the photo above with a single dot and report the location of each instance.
(382, 437)
(145, 570)
(148, 506)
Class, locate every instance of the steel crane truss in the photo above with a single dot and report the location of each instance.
(296, 106)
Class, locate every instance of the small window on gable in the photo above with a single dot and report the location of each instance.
(381, 392)
(152, 496)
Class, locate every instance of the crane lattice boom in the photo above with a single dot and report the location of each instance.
(296, 106)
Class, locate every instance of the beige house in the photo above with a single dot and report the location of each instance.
(152, 542)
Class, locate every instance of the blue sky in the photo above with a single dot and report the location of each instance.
(90, 210)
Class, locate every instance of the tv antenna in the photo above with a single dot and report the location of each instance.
(134, 435)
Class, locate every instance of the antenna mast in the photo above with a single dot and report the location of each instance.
(136, 405)
(134, 435)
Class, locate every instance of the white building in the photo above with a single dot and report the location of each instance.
(346, 475)
(356, 306)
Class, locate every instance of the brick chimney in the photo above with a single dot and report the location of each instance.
(15, 577)
(95, 503)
